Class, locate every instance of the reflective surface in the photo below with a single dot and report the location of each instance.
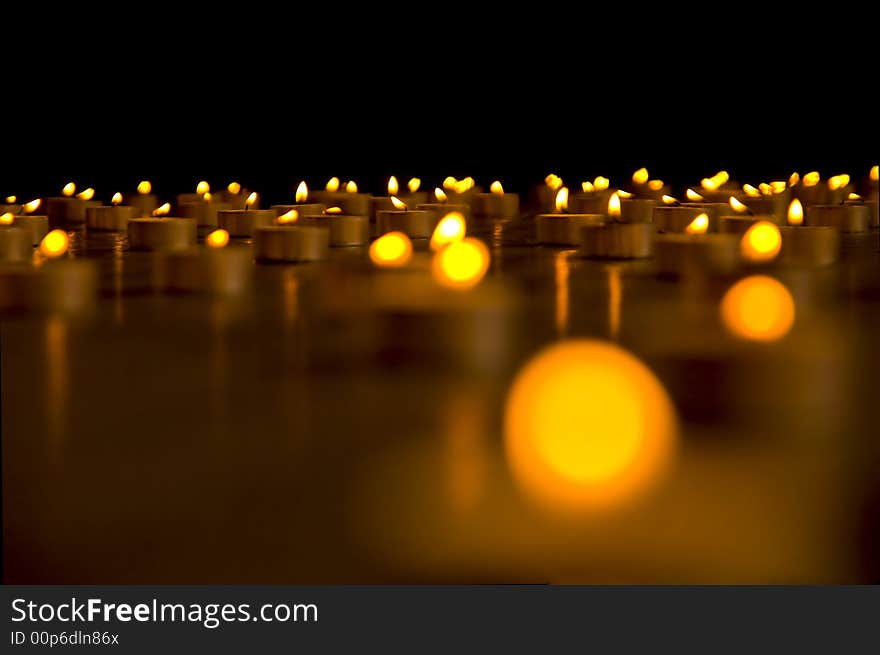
(345, 424)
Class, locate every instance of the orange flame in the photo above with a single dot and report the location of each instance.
(398, 203)
(700, 225)
(655, 185)
(838, 182)
(496, 187)
(440, 195)
(287, 217)
(795, 212)
(414, 184)
(332, 185)
(251, 199)
(614, 206)
(302, 192)
(144, 187)
(54, 244)
(32, 206)
(116, 199)
(351, 186)
(451, 228)
(553, 181)
(217, 239)
(812, 178)
(234, 188)
(11, 200)
(737, 206)
(751, 191)
(668, 200)
(69, 189)
(86, 194)
(640, 176)
(7, 218)
(562, 200)
(587, 187)
(601, 183)
(393, 186)
(333, 210)
(202, 188)
(794, 178)
(391, 250)
(162, 210)
(461, 265)
(761, 242)
(693, 195)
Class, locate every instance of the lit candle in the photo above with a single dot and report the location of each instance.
(740, 221)
(203, 210)
(69, 207)
(243, 222)
(675, 217)
(290, 243)
(696, 251)
(807, 245)
(631, 210)
(440, 204)
(144, 201)
(161, 232)
(561, 228)
(416, 224)
(847, 217)
(411, 197)
(617, 241)
(38, 224)
(302, 204)
(114, 217)
(344, 230)
(496, 204)
(593, 197)
(213, 269)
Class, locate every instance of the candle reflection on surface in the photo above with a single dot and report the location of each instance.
(615, 296)
(561, 267)
(57, 381)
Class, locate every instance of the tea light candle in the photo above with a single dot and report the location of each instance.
(114, 218)
(234, 195)
(214, 269)
(69, 208)
(807, 245)
(416, 224)
(244, 222)
(297, 243)
(676, 218)
(16, 243)
(144, 201)
(617, 241)
(441, 205)
(344, 230)
(846, 218)
(696, 251)
(385, 203)
(562, 229)
(636, 210)
(161, 233)
(496, 203)
(203, 211)
(37, 224)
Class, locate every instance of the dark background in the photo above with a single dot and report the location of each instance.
(267, 99)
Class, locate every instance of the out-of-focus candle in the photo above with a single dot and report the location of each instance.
(416, 224)
(496, 204)
(144, 201)
(807, 245)
(562, 228)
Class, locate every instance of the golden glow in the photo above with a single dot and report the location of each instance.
(761, 242)
(562, 295)
(562, 199)
(86, 194)
(765, 189)
(440, 194)
(32, 206)
(838, 182)
(351, 186)
(202, 188)
(398, 203)
(709, 184)
(393, 186)
(553, 181)
(333, 210)
(795, 212)
(116, 199)
(291, 216)
(668, 200)
(496, 187)
(450, 229)
(7, 218)
(640, 176)
(144, 187)
(587, 187)
(693, 195)
(391, 250)
(853, 196)
(758, 308)
(778, 187)
(655, 185)
(793, 179)
(874, 174)
(751, 191)
(10, 200)
(465, 185)
(737, 206)
(449, 182)
(217, 239)
(700, 225)
(162, 210)
(207, 196)
(624, 194)
(69, 189)
(614, 206)
(302, 192)
(587, 426)
(414, 184)
(461, 265)
(251, 199)
(812, 178)
(601, 183)
(234, 188)
(332, 185)
(54, 244)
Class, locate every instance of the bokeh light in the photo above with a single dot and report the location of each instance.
(761, 242)
(391, 250)
(54, 244)
(451, 228)
(461, 265)
(758, 308)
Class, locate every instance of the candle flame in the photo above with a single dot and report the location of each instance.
(668, 200)
(465, 185)
(414, 184)
(874, 174)
(496, 187)
(709, 184)
(700, 225)
(655, 185)
(202, 188)
(439, 194)
(795, 212)
(562, 199)
(393, 186)
(217, 239)
(332, 185)
(812, 178)
(838, 182)
(291, 216)
(333, 210)
(10, 200)
(162, 210)
(761, 242)
(778, 187)
(794, 178)
(398, 203)
(601, 183)
(54, 244)
(302, 192)
(207, 196)
(737, 206)
(693, 195)
(587, 187)
(751, 191)
(251, 199)
(553, 181)
(116, 199)
(144, 187)
(7, 218)
(449, 182)
(32, 206)
(86, 194)
(351, 186)
(758, 308)
(853, 196)
(624, 195)
(234, 188)
(391, 250)
(765, 189)
(461, 265)
(69, 189)
(640, 176)
(614, 206)
(450, 229)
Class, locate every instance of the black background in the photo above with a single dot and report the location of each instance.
(268, 99)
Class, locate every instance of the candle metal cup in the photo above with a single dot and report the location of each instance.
(344, 230)
(594, 202)
(696, 254)
(564, 229)
(739, 223)
(326, 198)
(244, 222)
(16, 244)
(112, 218)
(443, 208)
(354, 204)
(504, 206)
(65, 210)
(675, 218)
(416, 224)
(803, 245)
(715, 210)
(774, 208)
(617, 241)
(234, 200)
(224, 271)
(203, 213)
(161, 233)
(282, 243)
(38, 226)
(636, 210)
(144, 203)
(303, 209)
(846, 218)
